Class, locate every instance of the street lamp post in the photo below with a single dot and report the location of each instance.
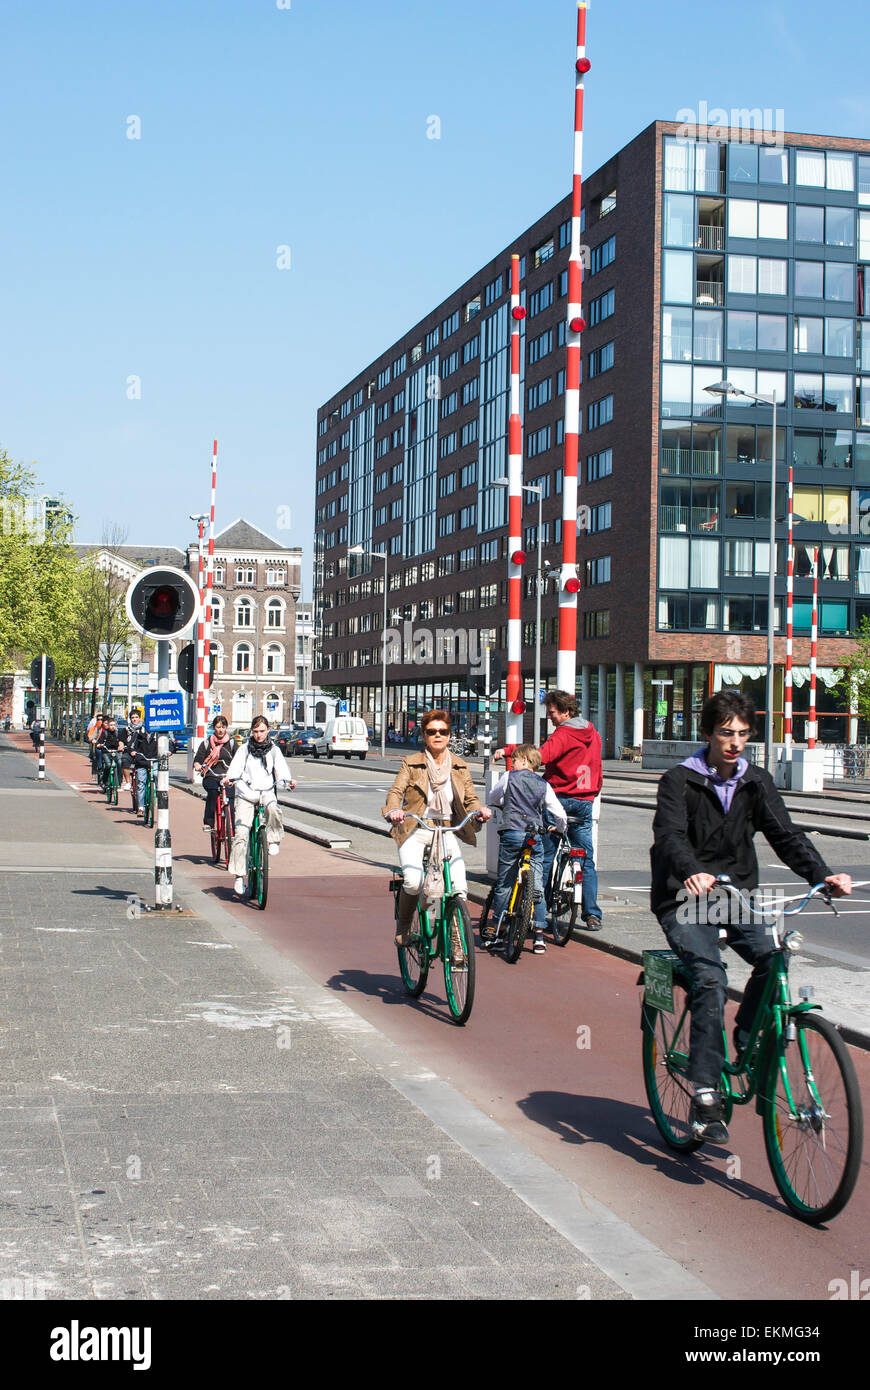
(539, 491)
(379, 555)
(724, 389)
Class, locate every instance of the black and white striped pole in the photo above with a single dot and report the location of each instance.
(162, 835)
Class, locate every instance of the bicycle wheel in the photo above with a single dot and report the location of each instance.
(563, 909)
(459, 972)
(228, 833)
(217, 836)
(665, 1058)
(262, 890)
(520, 920)
(133, 790)
(107, 787)
(149, 803)
(814, 1151)
(414, 958)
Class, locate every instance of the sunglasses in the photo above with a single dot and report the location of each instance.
(437, 733)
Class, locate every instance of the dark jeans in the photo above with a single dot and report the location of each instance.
(509, 852)
(580, 837)
(697, 945)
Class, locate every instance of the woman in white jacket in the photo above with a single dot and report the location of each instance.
(256, 769)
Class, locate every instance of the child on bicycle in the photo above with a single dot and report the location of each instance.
(524, 798)
(708, 810)
(256, 769)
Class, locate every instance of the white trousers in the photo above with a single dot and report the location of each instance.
(244, 819)
(411, 861)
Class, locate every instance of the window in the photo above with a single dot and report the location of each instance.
(607, 203)
(772, 276)
(809, 224)
(447, 524)
(599, 465)
(471, 390)
(679, 219)
(273, 664)
(274, 613)
(598, 571)
(488, 595)
(540, 346)
(395, 509)
(839, 338)
(540, 393)
(839, 227)
(449, 404)
(447, 445)
(469, 433)
(808, 279)
(219, 574)
(601, 360)
(541, 299)
(468, 517)
(380, 518)
(383, 378)
(538, 441)
(599, 518)
(472, 308)
(400, 365)
(471, 349)
(602, 255)
(244, 576)
(600, 412)
(839, 281)
(244, 613)
(468, 475)
(596, 624)
(602, 307)
(543, 253)
(450, 324)
(432, 340)
(468, 558)
(494, 290)
(446, 564)
(217, 612)
(274, 578)
(242, 658)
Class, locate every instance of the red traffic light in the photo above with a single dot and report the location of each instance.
(518, 557)
(572, 586)
(577, 325)
(518, 707)
(583, 65)
(519, 312)
(164, 603)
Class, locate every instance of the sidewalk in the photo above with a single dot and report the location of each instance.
(185, 1114)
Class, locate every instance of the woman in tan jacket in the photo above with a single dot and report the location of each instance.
(431, 783)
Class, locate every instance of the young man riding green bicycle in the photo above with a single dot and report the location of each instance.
(708, 810)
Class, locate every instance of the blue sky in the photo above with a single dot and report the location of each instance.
(261, 127)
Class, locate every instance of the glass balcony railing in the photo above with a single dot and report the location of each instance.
(709, 292)
(710, 237)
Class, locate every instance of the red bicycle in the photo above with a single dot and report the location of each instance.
(223, 829)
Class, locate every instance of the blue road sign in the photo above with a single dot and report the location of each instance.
(164, 711)
(342, 706)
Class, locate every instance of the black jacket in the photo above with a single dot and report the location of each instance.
(693, 835)
(224, 758)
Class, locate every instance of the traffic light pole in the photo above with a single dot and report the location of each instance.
(162, 837)
(40, 775)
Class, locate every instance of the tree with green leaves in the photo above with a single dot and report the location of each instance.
(853, 687)
(36, 565)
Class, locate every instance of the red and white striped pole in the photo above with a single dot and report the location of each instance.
(516, 557)
(789, 614)
(209, 582)
(200, 649)
(814, 636)
(569, 584)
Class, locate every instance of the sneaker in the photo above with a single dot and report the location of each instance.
(740, 1039)
(592, 923)
(539, 947)
(707, 1117)
(239, 886)
(273, 850)
(207, 828)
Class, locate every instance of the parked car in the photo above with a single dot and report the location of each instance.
(282, 737)
(302, 741)
(344, 735)
(183, 736)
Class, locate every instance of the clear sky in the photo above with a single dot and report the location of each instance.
(303, 124)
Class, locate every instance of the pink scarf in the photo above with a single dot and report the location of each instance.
(215, 745)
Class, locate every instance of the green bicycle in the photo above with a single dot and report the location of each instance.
(795, 1067)
(110, 779)
(257, 867)
(445, 935)
(149, 794)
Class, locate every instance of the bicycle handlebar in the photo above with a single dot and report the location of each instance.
(821, 890)
(411, 815)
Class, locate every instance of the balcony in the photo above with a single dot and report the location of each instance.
(709, 293)
(710, 237)
(705, 518)
(677, 462)
(673, 518)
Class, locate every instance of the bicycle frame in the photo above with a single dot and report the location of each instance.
(433, 925)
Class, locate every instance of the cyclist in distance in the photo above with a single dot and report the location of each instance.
(212, 761)
(256, 769)
(107, 743)
(432, 783)
(708, 810)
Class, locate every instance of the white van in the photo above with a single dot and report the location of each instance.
(345, 735)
